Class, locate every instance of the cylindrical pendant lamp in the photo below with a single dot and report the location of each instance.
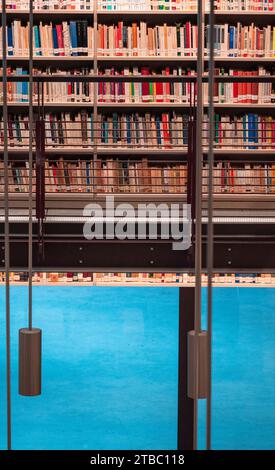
(30, 338)
(30, 361)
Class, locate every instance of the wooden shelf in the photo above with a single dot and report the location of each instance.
(231, 153)
(163, 105)
(137, 13)
(144, 283)
(160, 59)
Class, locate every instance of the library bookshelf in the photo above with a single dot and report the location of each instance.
(151, 167)
(147, 16)
(106, 102)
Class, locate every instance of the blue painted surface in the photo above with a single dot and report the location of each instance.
(110, 369)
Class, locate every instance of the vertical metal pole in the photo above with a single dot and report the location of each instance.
(210, 219)
(198, 210)
(95, 114)
(30, 160)
(7, 235)
(185, 404)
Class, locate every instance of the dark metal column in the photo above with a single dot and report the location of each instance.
(7, 227)
(185, 404)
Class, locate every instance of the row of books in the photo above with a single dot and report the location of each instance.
(185, 5)
(142, 5)
(181, 40)
(150, 92)
(142, 130)
(77, 5)
(144, 176)
(69, 38)
(76, 38)
(182, 278)
(76, 278)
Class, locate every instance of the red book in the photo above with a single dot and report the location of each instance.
(232, 182)
(122, 89)
(188, 30)
(273, 134)
(235, 88)
(55, 178)
(60, 41)
(216, 87)
(145, 86)
(166, 131)
(241, 88)
(254, 89)
(159, 92)
(70, 276)
(10, 131)
(220, 133)
(69, 88)
(119, 44)
(167, 86)
(100, 90)
(248, 90)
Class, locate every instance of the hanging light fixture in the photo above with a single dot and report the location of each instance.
(30, 338)
(30, 361)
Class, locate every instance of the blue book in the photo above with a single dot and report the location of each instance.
(55, 41)
(73, 35)
(256, 129)
(18, 95)
(37, 41)
(25, 88)
(10, 41)
(250, 130)
(124, 36)
(104, 138)
(231, 40)
(158, 130)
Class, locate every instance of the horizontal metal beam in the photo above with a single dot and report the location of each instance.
(237, 248)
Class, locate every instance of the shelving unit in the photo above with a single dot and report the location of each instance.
(95, 61)
(244, 235)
